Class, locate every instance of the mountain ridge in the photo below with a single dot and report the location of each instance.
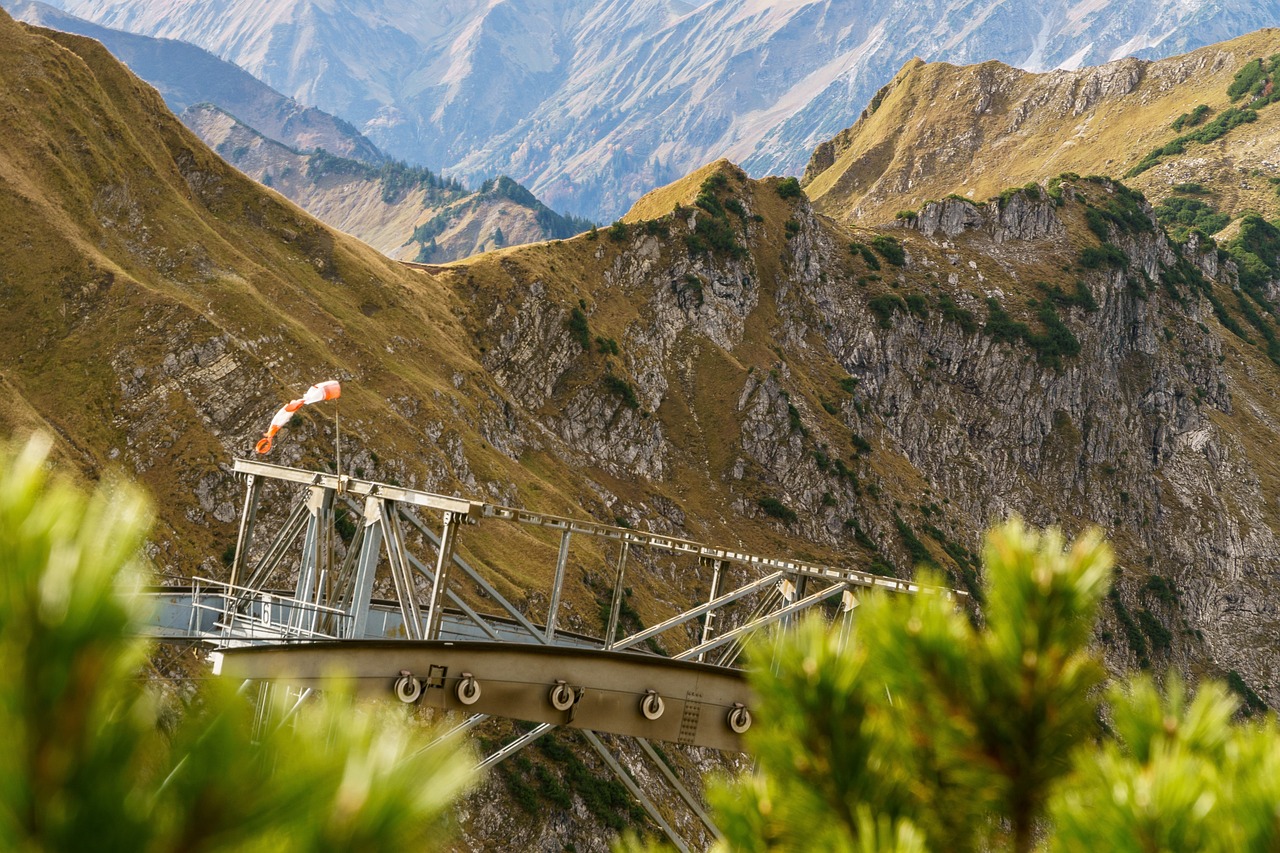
(937, 129)
(404, 212)
(384, 202)
(621, 97)
(186, 75)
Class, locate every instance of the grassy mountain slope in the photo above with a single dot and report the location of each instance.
(938, 129)
(186, 75)
(158, 303)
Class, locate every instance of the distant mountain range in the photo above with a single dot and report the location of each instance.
(407, 212)
(590, 104)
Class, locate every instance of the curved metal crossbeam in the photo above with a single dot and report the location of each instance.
(619, 693)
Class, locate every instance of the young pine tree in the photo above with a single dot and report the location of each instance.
(88, 761)
(925, 733)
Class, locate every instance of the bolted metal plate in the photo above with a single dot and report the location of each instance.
(517, 680)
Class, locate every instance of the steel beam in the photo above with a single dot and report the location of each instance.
(562, 562)
(366, 566)
(475, 576)
(421, 568)
(363, 488)
(676, 545)
(615, 607)
(248, 517)
(559, 685)
(690, 800)
(313, 552)
(406, 594)
(695, 612)
(630, 784)
(444, 559)
(515, 746)
(275, 551)
(757, 624)
(717, 577)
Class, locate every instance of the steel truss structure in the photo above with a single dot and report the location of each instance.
(514, 664)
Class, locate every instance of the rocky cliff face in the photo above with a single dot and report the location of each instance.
(885, 404)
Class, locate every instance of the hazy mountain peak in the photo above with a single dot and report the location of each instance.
(592, 104)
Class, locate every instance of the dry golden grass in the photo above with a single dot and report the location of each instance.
(977, 130)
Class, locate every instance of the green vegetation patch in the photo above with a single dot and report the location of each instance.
(1030, 190)
(714, 232)
(621, 388)
(1253, 703)
(953, 313)
(577, 324)
(1001, 326)
(1191, 119)
(1181, 215)
(890, 249)
(1051, 345)
(1080, 297)
(789, 188)
(775, 508)
(1105, 255)
(604, 796)
(883, 307)
(1160, 636)
(1001, 734)
(1122, 208)
(863, 251)
(919, 553)
(1133, 635)
(1164, 590)
(917, 305)
(1056, 341)
(689, 290)
(1256, 251)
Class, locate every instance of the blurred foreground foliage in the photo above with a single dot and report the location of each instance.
(922, 732)
(91, 757)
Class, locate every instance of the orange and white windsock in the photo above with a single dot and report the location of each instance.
(329, 390)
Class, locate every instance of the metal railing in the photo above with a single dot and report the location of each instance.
(242, 613)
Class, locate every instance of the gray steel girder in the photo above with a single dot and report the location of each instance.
(578, 688)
